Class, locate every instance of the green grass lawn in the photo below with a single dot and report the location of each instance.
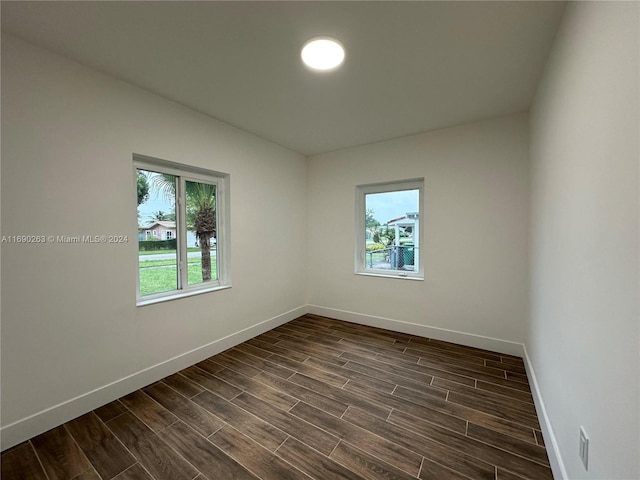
(161, 275)
(156, 252)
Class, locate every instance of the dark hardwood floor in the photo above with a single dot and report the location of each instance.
(315, 398)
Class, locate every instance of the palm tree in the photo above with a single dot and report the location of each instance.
(201, 217)
(159, 216)
(201, 212)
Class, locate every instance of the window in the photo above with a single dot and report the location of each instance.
(193, 203)
(388, 229)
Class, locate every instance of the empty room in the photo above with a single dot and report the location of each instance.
(320, 240)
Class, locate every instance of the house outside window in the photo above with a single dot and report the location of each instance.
(161, 229)
(388, 229)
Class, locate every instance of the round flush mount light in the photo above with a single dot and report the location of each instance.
(322, 53)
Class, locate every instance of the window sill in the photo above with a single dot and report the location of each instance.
(175, 296)
(395, 275)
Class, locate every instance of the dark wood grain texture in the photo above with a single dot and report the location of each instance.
(189, 412)
(434, 471)
(341, 395)
(259, 389)
(161, 461)
(326, 402)
(380, 447)
(257, 459)
(21, 463)
(306, 432)
(211, 383)
(314, 464)
(471, 414)
(367, 465)
(253, 357)
(203, 454)
(315, 398)
(431, 442)
(61, 457)
(182, 385)
(110, 410)
(154, 415)
(134, 473)
(88, 475)
(104, 451)
(264, 433)
(511, 444)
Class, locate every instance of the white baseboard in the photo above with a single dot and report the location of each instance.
(550, 441)
(461, 338)
(49, 418)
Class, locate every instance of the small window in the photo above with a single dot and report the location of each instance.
(184, 204)
(388, 229)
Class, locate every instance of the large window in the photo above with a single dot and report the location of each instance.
(183, 246)
(388, 229)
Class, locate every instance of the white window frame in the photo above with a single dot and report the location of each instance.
(185, 173)
(168, 235)
(360, 229)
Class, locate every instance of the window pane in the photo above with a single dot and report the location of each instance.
(391, 229)
(157, 249)
(201, 235)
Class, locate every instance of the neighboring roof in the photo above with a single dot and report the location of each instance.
(397, 219)
(165, 224)
(408, 219)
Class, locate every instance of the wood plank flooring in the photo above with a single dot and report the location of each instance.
(316, 398)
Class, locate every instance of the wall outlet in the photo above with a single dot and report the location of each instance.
(584, 448)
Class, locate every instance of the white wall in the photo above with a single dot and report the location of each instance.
(69, 320)
(475, 228)
(583, 336)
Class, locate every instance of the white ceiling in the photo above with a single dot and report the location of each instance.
(410, 66)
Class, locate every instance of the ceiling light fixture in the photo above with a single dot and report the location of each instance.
(322, 53)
